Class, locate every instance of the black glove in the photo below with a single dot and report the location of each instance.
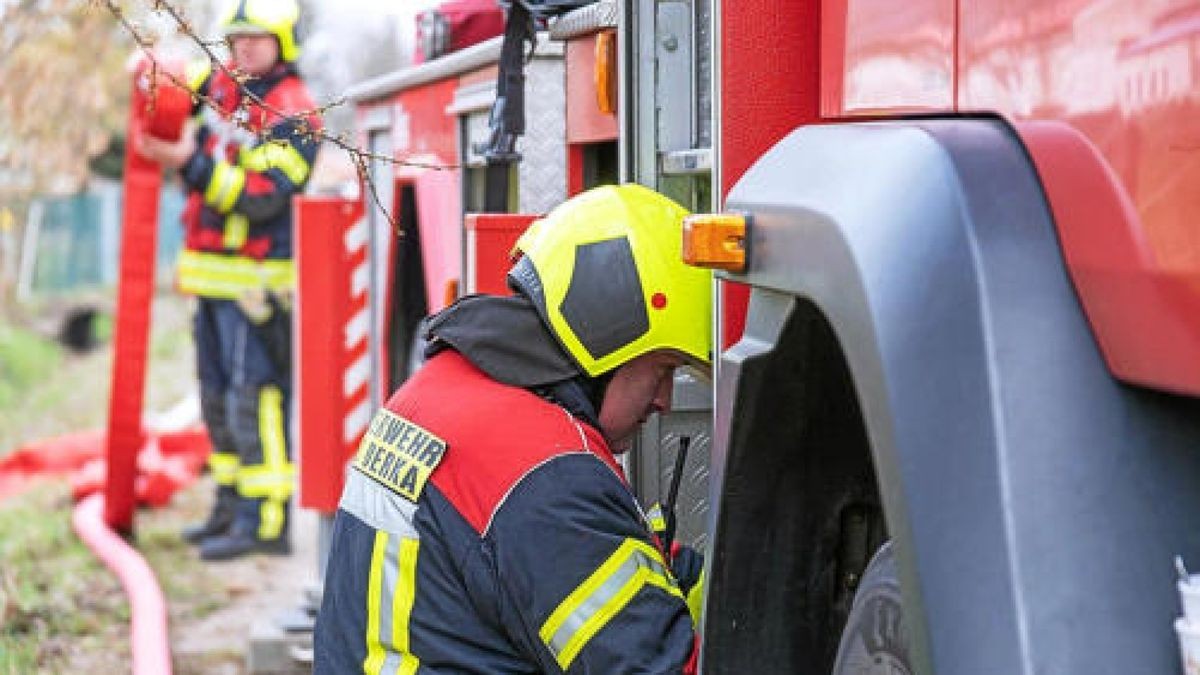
(686, 564)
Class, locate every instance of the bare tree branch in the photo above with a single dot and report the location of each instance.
(358, 156)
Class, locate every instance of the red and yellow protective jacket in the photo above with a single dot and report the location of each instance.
(484, 529)
(249, 161)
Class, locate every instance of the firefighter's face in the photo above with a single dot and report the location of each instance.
(254, 54)
(638, 389)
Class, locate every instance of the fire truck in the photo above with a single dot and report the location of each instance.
(973, 278)
(954, 423)
(372, 266)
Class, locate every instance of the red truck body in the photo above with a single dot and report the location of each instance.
(1118, 74)
(973, 330)
(372, 267)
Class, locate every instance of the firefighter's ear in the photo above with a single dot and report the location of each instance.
(698, 371)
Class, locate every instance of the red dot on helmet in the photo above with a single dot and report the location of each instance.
(658, 300)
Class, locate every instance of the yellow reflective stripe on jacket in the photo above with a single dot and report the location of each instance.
(602, 596)
(695, 599)
(196, 72)
(224, 467)
(373, 663)
(275, 155)
(225, 186)
(217, 275)
(391, 588)
(237, 229)
(402, 604)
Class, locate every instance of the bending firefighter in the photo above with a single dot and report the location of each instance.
(486, 525)
(241, 167)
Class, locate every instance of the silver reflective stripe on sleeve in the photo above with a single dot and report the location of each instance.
(377, 506)
(602, 596)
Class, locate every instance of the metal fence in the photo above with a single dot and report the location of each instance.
(72, 243)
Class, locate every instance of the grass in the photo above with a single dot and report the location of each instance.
(60, 609)
(54, 595)
(25, 360)
(46, 390)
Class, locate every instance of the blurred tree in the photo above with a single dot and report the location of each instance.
(349, 41)
(65, 88)
(61, 62)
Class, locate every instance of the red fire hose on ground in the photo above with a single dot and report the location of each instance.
(128, 464)
(148, 610)
(160, 108)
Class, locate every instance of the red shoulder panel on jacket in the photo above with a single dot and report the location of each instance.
(496, 434)
(291, 97)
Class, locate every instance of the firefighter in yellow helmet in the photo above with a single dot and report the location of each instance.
(241, 162)
(486, 525)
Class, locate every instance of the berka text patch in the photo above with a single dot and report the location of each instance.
(399, 454)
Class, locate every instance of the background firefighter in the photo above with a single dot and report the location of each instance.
(486, 525)
(241, 167)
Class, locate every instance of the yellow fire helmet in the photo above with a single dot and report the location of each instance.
(605, 272)
(272, 17)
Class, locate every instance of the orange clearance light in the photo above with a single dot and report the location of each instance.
(606, 72)
(715, 240)
(451, 292)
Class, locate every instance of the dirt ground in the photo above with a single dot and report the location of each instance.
(256, 589)
(213, 607)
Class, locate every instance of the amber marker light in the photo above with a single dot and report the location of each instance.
(606, 72)
(451, 292)
(715, 240)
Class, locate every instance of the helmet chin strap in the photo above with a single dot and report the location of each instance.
(597, 387)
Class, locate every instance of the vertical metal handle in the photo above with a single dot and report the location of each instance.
(673, 492)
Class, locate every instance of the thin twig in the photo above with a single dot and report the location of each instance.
(358, 156)
(364, 177)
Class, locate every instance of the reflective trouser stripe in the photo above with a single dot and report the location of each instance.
(602, 596)
(270, 519)
(225, 186)
(263, 481)
(217, 275)
(224, 467)
(272, 480)
(237, 229)
(275, 461)
(276, 154)
(390, 594)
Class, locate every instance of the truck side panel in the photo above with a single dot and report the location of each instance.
(768, 83)
(1123, 74)
(876, 59)
(1036, 502)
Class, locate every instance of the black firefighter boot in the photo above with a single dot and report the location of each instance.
(219, 519)
(242, 538)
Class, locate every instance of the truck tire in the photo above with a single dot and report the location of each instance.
(875, 641)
